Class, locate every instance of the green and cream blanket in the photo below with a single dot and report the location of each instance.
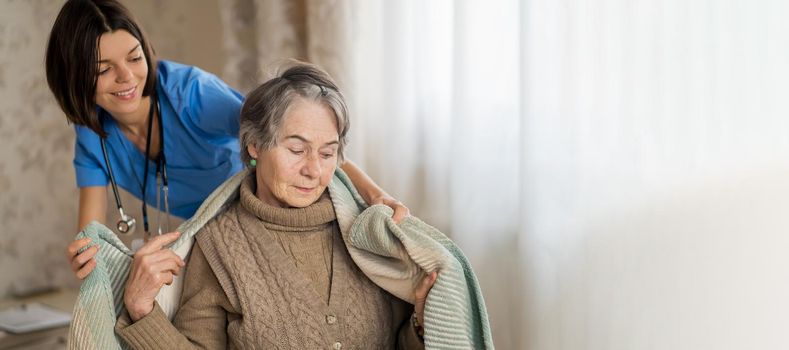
(394, 256)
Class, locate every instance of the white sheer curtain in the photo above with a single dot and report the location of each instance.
(436, 110)
(616, 170)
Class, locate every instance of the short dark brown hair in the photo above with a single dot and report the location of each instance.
(73, 54)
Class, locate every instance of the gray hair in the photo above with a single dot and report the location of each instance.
(264, 110)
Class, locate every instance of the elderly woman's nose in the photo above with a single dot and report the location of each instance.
(312, 166)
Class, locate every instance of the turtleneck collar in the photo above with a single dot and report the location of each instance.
(318, 213)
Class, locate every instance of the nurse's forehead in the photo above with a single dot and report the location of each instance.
(117, 43)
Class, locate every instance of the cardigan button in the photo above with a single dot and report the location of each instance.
(331, 319)
(337, 346)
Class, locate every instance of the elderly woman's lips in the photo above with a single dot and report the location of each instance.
(304, 189)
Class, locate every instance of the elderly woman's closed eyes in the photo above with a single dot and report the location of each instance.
(272, 271)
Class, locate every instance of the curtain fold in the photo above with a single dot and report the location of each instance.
(259, 35)
(437, 113)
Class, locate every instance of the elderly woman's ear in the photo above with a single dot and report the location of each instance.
(253, 151)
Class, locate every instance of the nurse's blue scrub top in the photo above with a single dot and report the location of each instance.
(200, 114)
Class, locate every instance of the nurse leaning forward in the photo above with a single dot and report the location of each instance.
(163, 131)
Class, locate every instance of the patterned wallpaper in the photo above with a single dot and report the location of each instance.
(38, 199)
(38, 196)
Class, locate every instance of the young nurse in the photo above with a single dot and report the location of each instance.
(165, 132)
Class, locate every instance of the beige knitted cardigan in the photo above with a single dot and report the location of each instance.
(242, 290)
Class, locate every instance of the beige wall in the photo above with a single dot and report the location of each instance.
(187, 31)
(38, 196)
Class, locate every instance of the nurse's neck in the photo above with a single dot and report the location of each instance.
(135, 127)
(135, 124)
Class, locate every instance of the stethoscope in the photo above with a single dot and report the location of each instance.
(126, 224)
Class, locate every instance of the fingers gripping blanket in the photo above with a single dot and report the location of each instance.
(393, 256)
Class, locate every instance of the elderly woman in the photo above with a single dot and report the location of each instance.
(272, 271)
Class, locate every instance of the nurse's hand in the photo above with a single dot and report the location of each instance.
(83, 263)
(400, 210)
(153, 267)
(420, 296)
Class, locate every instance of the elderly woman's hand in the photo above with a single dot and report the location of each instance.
(153, 267)
(420, 296)
(400, 210)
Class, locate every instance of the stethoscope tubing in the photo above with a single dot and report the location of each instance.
(126, 223)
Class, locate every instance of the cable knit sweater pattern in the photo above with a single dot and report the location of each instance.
(255, 296)
(392, 256)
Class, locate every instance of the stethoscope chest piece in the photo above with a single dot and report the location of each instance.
(126, 223)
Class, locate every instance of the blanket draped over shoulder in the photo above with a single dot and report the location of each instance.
(393, 256)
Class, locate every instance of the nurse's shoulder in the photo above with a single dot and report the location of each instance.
(207, 101)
